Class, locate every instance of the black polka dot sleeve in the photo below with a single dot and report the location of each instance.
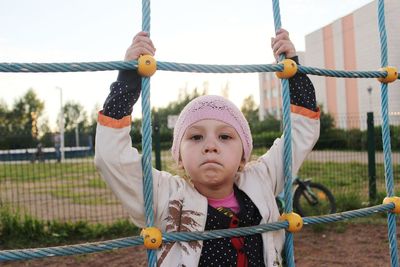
(302, 92)
(123, 95)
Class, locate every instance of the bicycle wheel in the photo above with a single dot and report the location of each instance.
(314, 200)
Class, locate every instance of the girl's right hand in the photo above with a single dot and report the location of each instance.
(141, 45)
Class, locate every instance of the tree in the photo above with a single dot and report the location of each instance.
(327, 122)
(23, 120)
(4, 124)
(175, 107)
(250, 110)
(75, 118)
(74, 114)
(3, 117)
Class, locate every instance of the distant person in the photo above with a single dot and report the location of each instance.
(212, 145)
(38, 153)
(57, 146)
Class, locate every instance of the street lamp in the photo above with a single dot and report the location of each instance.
(61, 125)
(369, 89)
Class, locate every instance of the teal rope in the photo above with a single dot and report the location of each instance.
(342, 73)
(147, 142)
(386, 136)
(207, 68)
(123, 65)
(147, 162)
(146, 153)
(385, 104)
(26, 254)
(180, 67)
(287, 145)
(348, 214)
(11, 255)
(382, 33)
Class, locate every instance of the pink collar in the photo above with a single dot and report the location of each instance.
(227, 202)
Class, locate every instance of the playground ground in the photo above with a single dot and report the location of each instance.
(360, 244)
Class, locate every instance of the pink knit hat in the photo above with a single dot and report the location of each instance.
(212, 107)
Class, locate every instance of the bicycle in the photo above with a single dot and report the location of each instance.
(310, 199)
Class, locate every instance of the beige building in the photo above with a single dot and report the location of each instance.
(349, 43)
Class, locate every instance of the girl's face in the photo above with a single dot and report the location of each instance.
(211, 153)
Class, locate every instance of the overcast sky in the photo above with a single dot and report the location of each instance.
(206, 31)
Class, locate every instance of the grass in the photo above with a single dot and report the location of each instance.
(82, 198)
(96, 183)
(17, 231)
(45, 170)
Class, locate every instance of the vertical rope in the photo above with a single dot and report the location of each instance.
(386, 135)
(287, 147)
(147, 141)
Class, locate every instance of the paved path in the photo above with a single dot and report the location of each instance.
(349, 156)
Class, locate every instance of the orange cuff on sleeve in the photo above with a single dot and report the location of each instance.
(113, 123)
(305, 112)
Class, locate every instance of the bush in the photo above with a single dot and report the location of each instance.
(333, 139)
(356, 139)
(265, 139)
(269, 124)
(18, 231)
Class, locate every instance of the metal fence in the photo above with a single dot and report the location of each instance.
(345, 173)
(73, 190)
(67, 191)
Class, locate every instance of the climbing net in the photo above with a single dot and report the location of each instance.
(146, 66)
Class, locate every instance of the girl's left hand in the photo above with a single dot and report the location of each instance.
(282, 44)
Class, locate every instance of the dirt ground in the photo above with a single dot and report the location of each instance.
(337, 245)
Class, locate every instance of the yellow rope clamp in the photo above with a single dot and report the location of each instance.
(295, 221)
(152, 237)
(395, 201)
(391, 74)
(289, 69)
(147, 65)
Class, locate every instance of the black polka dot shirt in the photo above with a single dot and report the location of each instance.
(302, 92)
(220, 252)
(123, 95)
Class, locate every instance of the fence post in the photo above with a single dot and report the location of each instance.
(157, 141)
(371, 157)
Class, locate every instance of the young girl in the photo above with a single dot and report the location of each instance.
(212, 144)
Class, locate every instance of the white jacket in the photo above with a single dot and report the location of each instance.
(177, 204)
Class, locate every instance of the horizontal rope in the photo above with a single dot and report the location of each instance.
(132, 65)
(26, 254)
(348, 214)
(180, 67)
(342, 73)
